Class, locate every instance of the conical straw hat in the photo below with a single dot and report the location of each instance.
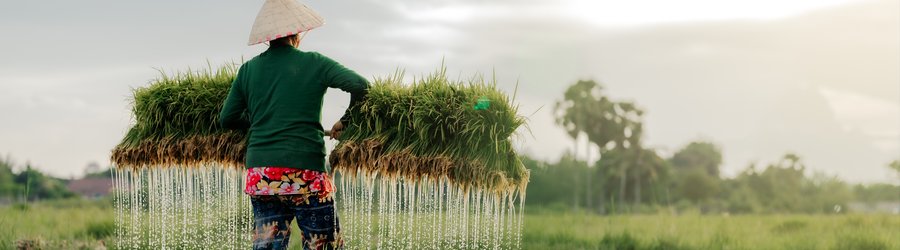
(280, 18)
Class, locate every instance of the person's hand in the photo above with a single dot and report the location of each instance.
(336, 130)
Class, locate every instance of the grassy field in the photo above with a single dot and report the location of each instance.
(68, 224)
(87, 225)
(581, 231)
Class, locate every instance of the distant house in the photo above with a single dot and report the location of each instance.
(91, 187)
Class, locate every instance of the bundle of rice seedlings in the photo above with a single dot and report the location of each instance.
(434, 128)
(176, 123)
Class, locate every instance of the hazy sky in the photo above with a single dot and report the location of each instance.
(820, 78)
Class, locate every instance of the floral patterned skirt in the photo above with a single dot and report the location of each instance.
(287, 181)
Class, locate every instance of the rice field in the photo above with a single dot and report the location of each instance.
(582, 231)
(88, 225)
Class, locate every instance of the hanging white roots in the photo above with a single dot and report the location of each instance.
(204, 208)
(182, 208)
(380, 212)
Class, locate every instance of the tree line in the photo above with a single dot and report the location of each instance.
(629, 177)
(29, 184)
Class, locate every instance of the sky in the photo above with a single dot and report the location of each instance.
(819, 78)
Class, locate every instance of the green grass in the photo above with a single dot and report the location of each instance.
(78, 224)
(583, 231)
(64, 224)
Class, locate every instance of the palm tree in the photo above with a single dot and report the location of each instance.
(610, 125)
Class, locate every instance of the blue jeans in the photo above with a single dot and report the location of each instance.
(316, 218)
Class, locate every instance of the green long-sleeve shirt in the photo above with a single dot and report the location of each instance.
(278, 97)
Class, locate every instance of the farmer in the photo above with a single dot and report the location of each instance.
(277, 96)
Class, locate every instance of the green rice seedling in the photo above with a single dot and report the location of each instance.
(176, 122)
(434, 128)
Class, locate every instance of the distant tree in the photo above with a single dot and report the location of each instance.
(739, 197)
(696, 176)
(648, 174)
(704, 156)
(38, 186)
(876, 192)
(8, 187)
(782, 182)
(895, 165)
(558, 183)
(783, 187)
(651, 174)
(697, 186)
(585, 109)
(29, 183)
(822, 193)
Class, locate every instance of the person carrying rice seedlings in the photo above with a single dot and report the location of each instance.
(277, 97)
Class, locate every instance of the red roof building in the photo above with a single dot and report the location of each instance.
(91, 187)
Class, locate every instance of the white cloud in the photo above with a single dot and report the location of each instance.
(876, 118)
(609, 13)
(642, 12)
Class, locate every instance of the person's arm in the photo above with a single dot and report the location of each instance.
(337, 76)
(233, 114)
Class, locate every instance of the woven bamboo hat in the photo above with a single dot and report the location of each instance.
(281, 18)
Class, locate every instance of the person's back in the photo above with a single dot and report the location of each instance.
(284, 88)
(277, 98)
